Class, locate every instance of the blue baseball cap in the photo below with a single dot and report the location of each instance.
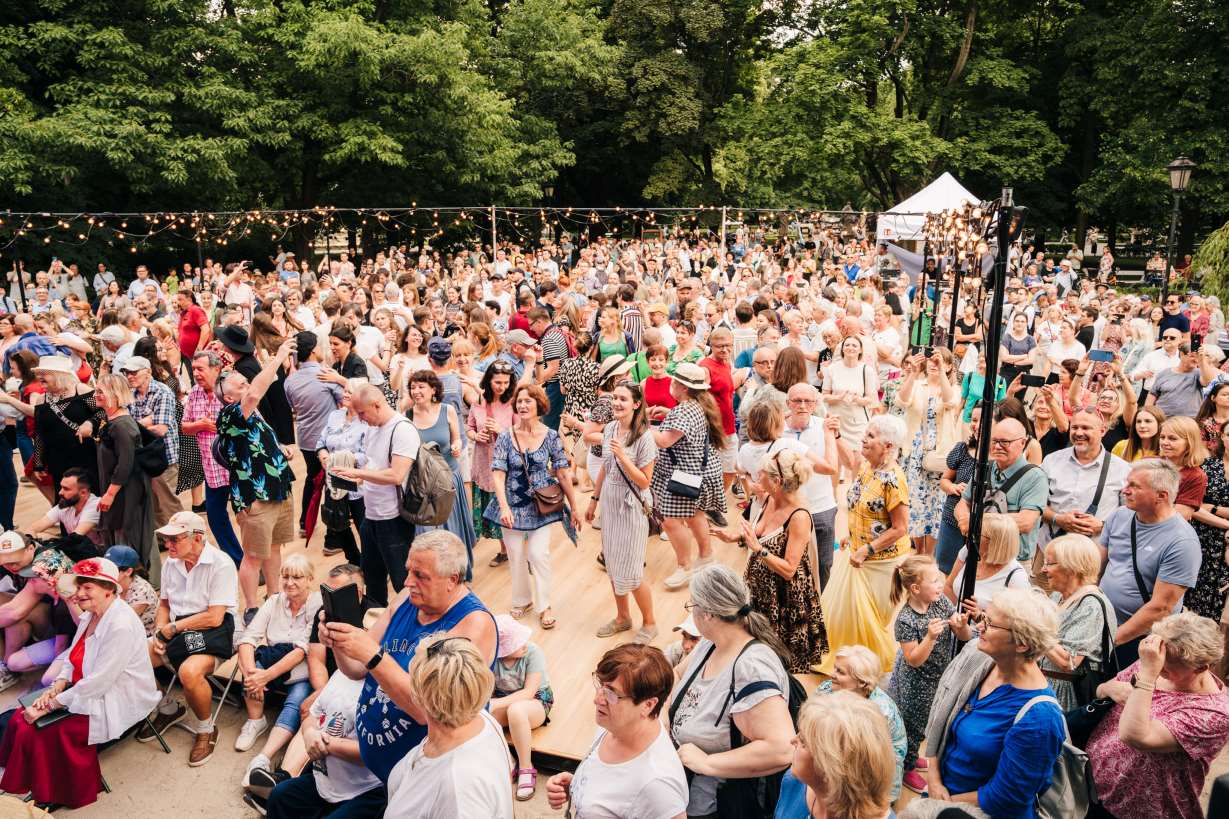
(123, 556)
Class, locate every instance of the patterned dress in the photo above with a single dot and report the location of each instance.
(578, 380)
(1206, 598)
(913, 689)
(792, 606)
(688, 454)
(926, 499)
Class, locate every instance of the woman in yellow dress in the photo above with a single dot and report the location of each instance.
(857, 603)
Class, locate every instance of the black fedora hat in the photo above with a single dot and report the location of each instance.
(235, 338)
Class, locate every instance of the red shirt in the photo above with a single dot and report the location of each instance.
(657, 392)
(721, 387)
(190, 323)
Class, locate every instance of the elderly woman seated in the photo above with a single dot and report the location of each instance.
(273, 652)
(104, 688)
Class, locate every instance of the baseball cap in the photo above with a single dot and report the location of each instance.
(659, 308)
(181, 523)
(688, 626)
(123, 556)
(11, 543)
(134, 364)
(48, 565)
(439, 349)
(519, 337)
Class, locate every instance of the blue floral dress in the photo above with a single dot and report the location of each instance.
(926, 499)
(543, 462)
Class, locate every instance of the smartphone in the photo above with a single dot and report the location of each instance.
(342, 605)
(930, 351)
(1053, 378)
(1196, 342)
(1100, 355)
(1029, 380)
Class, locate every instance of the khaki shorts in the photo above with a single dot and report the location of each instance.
(264, 523)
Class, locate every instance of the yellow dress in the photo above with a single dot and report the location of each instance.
(856, 603)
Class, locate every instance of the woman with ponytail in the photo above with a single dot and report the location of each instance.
(738, 648)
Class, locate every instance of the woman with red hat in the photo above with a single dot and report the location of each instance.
(104, 688)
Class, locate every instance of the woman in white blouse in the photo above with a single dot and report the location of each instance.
(106, 686)
(272, 650)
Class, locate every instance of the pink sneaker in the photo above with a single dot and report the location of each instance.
(915, 782)
(922, 764)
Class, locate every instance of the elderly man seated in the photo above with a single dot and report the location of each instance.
(194, 628)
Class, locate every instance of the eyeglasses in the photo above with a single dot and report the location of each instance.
(690, 605)
(436, 648)
(983, 622)
(1170, 338)
(802, 402)
(1003, 443)
(611, 696)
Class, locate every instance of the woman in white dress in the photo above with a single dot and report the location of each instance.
(851, 391)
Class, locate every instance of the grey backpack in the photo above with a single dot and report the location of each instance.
(430, 489)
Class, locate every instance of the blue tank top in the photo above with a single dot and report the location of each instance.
(386, 733)
(438, 433)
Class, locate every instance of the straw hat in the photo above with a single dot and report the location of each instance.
(612, 366)
(691, 376)
(55, 364)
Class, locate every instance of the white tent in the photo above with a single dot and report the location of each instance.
(904, 222)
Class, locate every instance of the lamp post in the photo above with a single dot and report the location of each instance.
(548, 191)
(1179, 177)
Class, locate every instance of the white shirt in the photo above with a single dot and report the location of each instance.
(213, 581)
(70, 518)
(1073, 485)
(367, 342)
(304, 316)
(651, 785)
(381, 499)
(1011, 576)
(668, 337)
(470, 780)
(117, 685)
(818, 488)
(1058, 352)
(276, 623)
(1154, 362)
(337, 779)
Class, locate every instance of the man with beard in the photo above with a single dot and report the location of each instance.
(76, 510)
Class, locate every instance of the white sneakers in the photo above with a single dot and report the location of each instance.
(7, 678)
(250, 732)
(678, 578)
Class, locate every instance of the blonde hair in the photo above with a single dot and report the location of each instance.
(765, 421)
(788, 468)
(453, 684)
(1002, 538)
(1186, 428)
(64, 382)
(911, 570)
(116, 387)
(297, 565)
(864, 666)
(1077, 554)
(848, 738)
(1031, 617)
(1190, 639)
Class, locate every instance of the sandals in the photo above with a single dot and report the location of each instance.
(517, 612)
(526, 783)
(547, 620)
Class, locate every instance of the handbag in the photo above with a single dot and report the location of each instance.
(1082, 721)
(549, 497)
(151, 455)
(935, 460)
(218, 641)
(1086, 679)
(684, 484)
(1070, 792)
(334, 512)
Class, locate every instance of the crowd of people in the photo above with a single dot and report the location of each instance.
(670, 393)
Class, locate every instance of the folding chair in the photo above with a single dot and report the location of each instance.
(220, 692)
(130, 732)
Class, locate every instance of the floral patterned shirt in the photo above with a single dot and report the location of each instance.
(258, 467)
(872, 497)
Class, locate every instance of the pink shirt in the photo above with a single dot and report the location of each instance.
(201, 405)
(478, 414)
(1143, 785)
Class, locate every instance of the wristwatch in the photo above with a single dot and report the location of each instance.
(375, 660)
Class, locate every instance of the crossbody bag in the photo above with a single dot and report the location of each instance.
(683, 483)
(1096, 498)
(548, 498)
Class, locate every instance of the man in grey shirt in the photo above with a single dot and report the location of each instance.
(312, 400)
(1179, 391)
(1148, 536)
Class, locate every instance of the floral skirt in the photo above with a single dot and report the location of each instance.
(482, 526)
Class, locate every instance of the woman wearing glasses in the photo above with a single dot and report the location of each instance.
(631, 768)
(995, 729)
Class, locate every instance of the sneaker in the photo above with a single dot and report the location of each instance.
(922, 764)
(7, 678)
(260, 761)
(500, 557)
(202, 748)
(678, 579)
(737, 489)
(614, 627)
(198, 508)
(915, 782)
(329, 551)
(701, 562)
(249, 733)
(664, 537)
(717, 517)
(256, 803)
(161, 723)
(644, 636)
(302, 533)
(262, 781)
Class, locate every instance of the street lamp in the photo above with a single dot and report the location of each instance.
(1179, 177)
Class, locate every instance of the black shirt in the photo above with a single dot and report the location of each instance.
(353, 366)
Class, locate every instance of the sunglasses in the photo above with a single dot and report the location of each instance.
(435, 648)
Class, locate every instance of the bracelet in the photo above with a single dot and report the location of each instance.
(1215, 510)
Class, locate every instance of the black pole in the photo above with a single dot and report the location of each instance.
(1169, 252)
(921, 309)
(1007, 225)
(951, 322)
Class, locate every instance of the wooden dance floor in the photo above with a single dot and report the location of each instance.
(582, 601)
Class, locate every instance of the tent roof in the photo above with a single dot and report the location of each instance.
(941, 194)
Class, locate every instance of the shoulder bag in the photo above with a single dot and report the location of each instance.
(684, 484)
(548, 498)
(646, 500)
(1055, 531)
(1085, 679)
(1070, 792)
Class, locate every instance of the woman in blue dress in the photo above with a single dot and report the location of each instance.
(438, 423)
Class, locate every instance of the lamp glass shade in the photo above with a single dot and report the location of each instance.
(549, 190)
(1180, 173)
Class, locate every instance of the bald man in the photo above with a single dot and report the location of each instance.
(1018, 488)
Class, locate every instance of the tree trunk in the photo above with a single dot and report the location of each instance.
(970, 25)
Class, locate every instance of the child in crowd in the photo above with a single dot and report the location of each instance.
(523, 696)
(689, 635)
(925, 650)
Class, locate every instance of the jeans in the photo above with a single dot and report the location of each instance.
(25, 444)
(217, 510)
(551, 419)
(948, 546)
(386, 546)
(312, 461)
(298, 799)
(825, 539)
(344, 538)
(296, 692)
(8, 484)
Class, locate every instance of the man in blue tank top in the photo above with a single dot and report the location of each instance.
(435, 599)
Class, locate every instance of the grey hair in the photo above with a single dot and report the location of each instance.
(353, 384)
(450, 555)
(211, 358)
(1190, 639)
(889, 429)
(1162, 476)
(719, 591)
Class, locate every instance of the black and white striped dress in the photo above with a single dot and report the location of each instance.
(625, 528)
